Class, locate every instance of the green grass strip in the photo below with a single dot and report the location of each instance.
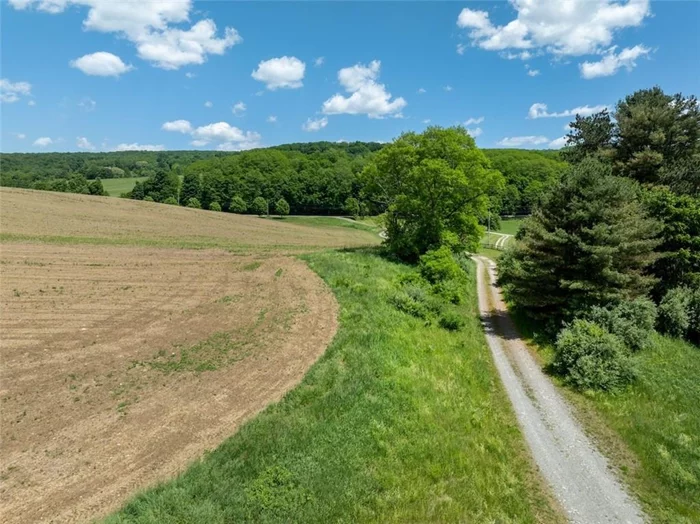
(398, 421)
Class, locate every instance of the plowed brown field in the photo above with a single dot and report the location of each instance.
(123, 364)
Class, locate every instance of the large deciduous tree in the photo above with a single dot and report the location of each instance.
(588, 243)
(433, 187)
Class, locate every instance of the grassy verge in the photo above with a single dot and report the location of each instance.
(511, 225)
(651, 430)
(400, 420)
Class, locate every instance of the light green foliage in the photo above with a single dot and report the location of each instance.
(148, 198)
(632, 321)
(194, 203)
(429, 184)
(214, 206)
(589, 357)
(170, 201)
(260, 207)
(352, 207)
(439, 265)
(238, 205)
(527, 174)
(588, 244)
(282, 207)
(679, 313)
(398, 421)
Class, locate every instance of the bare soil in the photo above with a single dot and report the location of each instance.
(122, 365)
(27, 213)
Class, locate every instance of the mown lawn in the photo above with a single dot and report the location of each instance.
(651, 430)
(511, 226)
(117, 186)
(398, 421)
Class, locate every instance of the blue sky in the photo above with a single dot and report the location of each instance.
(85, 75)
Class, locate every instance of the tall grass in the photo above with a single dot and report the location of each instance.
(398, 421)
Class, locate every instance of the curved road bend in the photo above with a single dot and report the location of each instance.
(578, 474)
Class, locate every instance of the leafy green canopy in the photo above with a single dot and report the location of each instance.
(433, 187)
(588, 244)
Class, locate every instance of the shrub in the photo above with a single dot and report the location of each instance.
(170, 201)
(439, 265)
(451, 290)
(589, 357)
(214, 206)
(632, 321)
(404, 302)
(452, 320)
(238, 205)
(260, 207)
(194, 203)
(148, 198)
(352, 207)
(674, 312)
(282, 207)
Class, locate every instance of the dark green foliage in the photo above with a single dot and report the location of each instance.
(655, 132)
(162, 185)
(260, 207)
(589, 136)
(352, 207)
(452, 320)
(170, 201)
(214, 206)
(589, 357)
(138, 192)
(282, 207)
(431, 184)
(194, 203)
(633, 321)
(191, 187)
(238, 205)
(679, 263)
(588, 244)
(95, 187)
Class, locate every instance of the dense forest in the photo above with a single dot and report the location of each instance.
(314, 178)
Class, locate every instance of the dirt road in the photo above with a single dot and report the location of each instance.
(578, 474)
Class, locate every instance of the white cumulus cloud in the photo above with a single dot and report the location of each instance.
(179, 126)
(477, 131)
(574, 27)
(150, 26)
(139, 147)
(520, 141)
(533, 72)
(101, 64)
(83, 143)
(315, 125)
(558, 143)
(539, 110)
(43, 141)
(272, 119)
(20, 136)
(239, 108)
(230, 138)
(472, 120)
(367, 96)
(284, 72)
(612, 62)
(11, 92)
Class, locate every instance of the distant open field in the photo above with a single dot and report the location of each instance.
(66, 217)
(117, 186)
